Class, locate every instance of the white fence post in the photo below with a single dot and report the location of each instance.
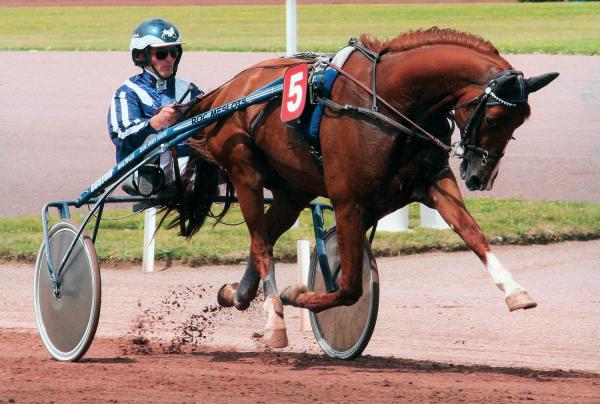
(290, 27)
(303, 252)
(149, 228)
(431, 218)
(394, 222)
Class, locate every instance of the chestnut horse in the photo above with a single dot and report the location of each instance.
(369, 167)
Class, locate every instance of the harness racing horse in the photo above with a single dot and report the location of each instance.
(384, 143)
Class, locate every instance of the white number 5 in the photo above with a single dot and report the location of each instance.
(295, 92)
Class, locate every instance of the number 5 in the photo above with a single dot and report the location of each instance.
(295, 92)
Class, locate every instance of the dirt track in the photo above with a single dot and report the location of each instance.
(443, 334)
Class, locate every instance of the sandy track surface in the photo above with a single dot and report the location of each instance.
(55, 142)
(443, 334)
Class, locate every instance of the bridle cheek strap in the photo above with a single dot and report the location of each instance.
(469, 139)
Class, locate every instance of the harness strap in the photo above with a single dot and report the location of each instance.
(374, 57)
(424, 134)
(260, 117)
(378, 115)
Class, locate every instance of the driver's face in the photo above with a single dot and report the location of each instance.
(163, 60)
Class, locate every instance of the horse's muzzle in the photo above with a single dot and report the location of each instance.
(474, 183)
(477, 179)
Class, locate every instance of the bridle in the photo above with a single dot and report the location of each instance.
(469, 141)
(469, 134)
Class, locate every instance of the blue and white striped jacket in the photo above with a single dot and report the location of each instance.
(135, 102)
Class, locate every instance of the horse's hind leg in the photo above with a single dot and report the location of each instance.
(251, 203)
(281, 215)
(248, 183)
(240, 294)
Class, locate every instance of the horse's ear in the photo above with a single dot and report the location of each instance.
(535, 83)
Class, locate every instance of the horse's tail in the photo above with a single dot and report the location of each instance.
(201, 182)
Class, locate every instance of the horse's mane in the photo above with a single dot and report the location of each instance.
(432, 36)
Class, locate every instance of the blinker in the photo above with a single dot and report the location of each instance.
(501, 90)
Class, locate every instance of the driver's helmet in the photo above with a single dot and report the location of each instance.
(155, 33)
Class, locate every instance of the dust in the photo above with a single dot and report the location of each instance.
(185, 321)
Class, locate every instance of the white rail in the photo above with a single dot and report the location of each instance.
(290, 28)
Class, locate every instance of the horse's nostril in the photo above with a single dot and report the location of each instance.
(474, 182)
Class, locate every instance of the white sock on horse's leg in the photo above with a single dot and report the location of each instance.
(275, 335)
(514, 295)
(501, 276)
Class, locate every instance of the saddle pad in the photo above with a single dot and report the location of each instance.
(327, 83)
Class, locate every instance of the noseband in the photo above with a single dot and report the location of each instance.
(469, 135)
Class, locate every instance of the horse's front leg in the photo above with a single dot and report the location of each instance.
(445, 196)
(350, 236)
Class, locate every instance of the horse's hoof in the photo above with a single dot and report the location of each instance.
(275, 335)
(289, 296)
(240, 304)
(226, 293)
(520, 300)
(275, 338)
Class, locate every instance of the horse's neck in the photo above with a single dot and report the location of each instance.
(435, 76)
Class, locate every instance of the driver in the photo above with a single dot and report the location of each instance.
(143, 105)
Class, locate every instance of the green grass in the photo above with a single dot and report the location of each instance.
(503, 221)
(571, 28)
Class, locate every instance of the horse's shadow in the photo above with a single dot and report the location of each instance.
(369, 363)
(116, 360)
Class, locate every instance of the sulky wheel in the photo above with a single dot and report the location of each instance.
(67, 323)
(344, 332)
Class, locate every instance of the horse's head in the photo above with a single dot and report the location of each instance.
(487, 123)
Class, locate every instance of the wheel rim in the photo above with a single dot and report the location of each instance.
(343, 332)
(67, 324)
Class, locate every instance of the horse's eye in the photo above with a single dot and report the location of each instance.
(492, 123)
